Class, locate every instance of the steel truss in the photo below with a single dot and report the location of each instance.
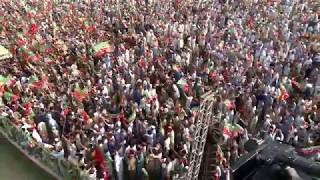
(204, 119)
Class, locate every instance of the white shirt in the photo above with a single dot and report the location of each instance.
(119, 165)
(176, 91)
(36, 136)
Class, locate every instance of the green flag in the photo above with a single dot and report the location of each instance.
(102, 48)
(79, 93)
(10, 97)
(4, 53)
(84, 90)
(4, 80)
(33, 79)
(132, 117)
(232, 130)
(181, 83)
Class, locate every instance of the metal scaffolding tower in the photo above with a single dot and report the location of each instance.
(205, 118)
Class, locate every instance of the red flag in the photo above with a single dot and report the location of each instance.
(277, 34)
(15, 98)
(142, 64)
(21, 42)
(99, 157)
(250, 23)
(31, 15)
(296, 85)
(2, 90)
(66, 111)
(213, 76)
(227, 132)
(249, 57)
(78, 95)
(13, 50)
(85, 117)
(102, 52)
(230, 105)
(100, 163)
(45, 82)
(27, 109)
(37, 84)
(34, 29)
(284, 95)
(90, 29)
(48, 50)
(12, 82)
(186, 88)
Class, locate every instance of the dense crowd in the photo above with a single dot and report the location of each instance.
(130, 108)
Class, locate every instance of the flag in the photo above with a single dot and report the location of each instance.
(296, 86)
(31, 12)
(34, 82)
(176, 67)
(28, 54)
(249, 57)
(98, 157)
(132, 117)
(213, 76)
(4, 53)
(22, 49)
(229, 104)
(109, 162)
(21, 42)
(11, 97)
(31, 56)
(250, 23)
(66, 111)
(231, 130)
(45, 82)
(182, 83)
(309, 152)
(284, 95)
(33, 79)
(79, 93)
(2, 90)
(27, 107)
(4, 80)
(33, 28)
(88, 27)
(85, 117)
(142, 64)
(99, 160)
(102, 48)
(48, 49)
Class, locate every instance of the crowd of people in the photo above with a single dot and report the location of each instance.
(130, 108)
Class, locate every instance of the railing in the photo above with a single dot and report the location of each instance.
(58, 167)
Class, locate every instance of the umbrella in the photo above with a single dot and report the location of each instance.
(102, 48)
(4, 53)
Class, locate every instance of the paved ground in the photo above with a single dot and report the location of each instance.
(15, 166)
